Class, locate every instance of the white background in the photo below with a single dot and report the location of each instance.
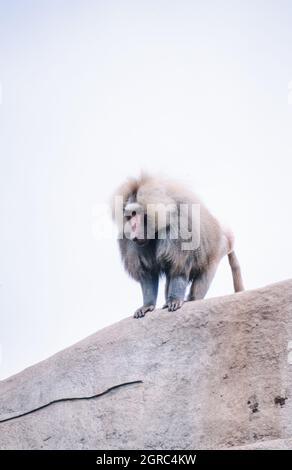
(93, 91)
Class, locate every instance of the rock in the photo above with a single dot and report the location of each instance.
(215, 374)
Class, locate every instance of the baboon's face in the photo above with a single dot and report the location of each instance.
(135, 227)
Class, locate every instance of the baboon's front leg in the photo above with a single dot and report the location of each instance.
(176, 293)
(149, 287)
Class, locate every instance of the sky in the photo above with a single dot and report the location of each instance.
(95, 91)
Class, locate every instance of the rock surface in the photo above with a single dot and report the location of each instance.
(216, 374)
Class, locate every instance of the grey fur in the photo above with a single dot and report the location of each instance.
(166, 256)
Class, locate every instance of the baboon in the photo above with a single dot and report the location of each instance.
(155, 219)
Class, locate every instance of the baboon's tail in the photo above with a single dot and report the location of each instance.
(236, 272)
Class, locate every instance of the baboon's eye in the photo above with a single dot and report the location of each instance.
(134, 213)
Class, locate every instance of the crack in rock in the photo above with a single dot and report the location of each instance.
(59, 400)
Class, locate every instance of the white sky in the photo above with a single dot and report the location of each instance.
(93, 91)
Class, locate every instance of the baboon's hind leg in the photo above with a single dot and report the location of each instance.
(166, 288)
(201, 284)
(165, 305)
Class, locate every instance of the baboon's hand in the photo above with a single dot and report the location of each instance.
(173, 304)
(143, 310)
